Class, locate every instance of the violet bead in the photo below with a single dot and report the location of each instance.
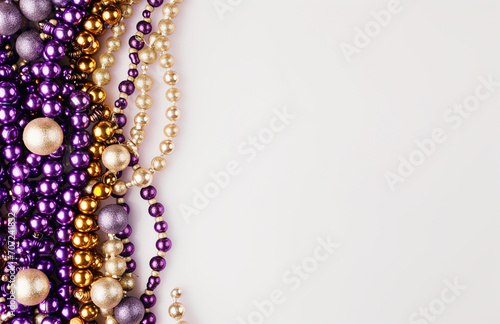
(46, 206)
(48, 187)
(33, 103)
(71, 196)
(8, 92)
(161, 227)
(126, 87)
(8, 114)
(21, 190)
(80, 139)
(48, 89)
(29, 45)
(67, 89)
(164, 244)
(64, 234)
(10, 18)
(4, 195)
(144, 27)
(46, 246)
(65, 291)
(18, 208)
(69, 310)
(6, 71)
(38, 223)
(128, 249)
(52, 168)
(19, 171)
(59, 153)
(148, 300)
(46, 265)
(121, 120)
(157, 263)
(64, 32)
(153, 283)
(61, 3)
(12, 152)
(50, 70)
(65, 216)
(148, 193)
(9, 133)
(155, 3)
(80, 120)
(73, 15)
(49, 305)
(21, 319)
(79, 159)
(149, 318)
(81, 3)
(156, 210)
(63, 254)
(112, 219)
(79, 100)
(54, 51)
(77, 178)
(64, 272)
(125, 233)
(131, 266)
(21, 230)
(52, 320)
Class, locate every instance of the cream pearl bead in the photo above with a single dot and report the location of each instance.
(152, 37)
(107, 312)
(111, 320)
(171, 130)
(173, 95)
(176, 293)
(166, 60)
(144, 82)
(171, 77)
(142, 178)
(106, 293)
(119, 28)
(112, 247)
(167, 147)
(39, 318)
(115, 266)
(127, 10)
(158, 163)
(166, 27)
(147, 55)
(30, 287)
(43, 136)
(170, 10)
(116, 157)
(107, 59)
(120, 188)
(113, 43)
(176, 310)
(144, 101)
(128, 283)
(161, 44)
(142, 118)
(101, 77)
(173, 113)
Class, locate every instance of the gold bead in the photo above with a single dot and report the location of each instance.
(170, 77)
(142, 178)
(31, 287)
(147, 55)
(93, 48)
(107, 312)
(94, 240)
(170, 10)
(95, 150)
(101, 77)
(86, 64)
(144, 101)
(116, 157)
(128, 283)
(127, 10)
(82, 295)
(84, 223)
(93, 24)
(81, 240)
(109, 178)
(97, 94)
(176, 311)
(143, 82)
(107, 59)
(138, 135)
(141, 118)
(88, 205)
(166, 27)
(173, 94)
(97, 262)
(85, 39)
(120, 188)
(89, 312)
(167, 147)
(82, 259)
(43, 136)
(87, 85)
(103, 131)
(94, 169)
(173, 113)
(82, 277)
(176, 293)
(161, 44)
(111, 15)
(158, 163)
(153, 37)
(166, 60)
(171, 130)
(115, 266)
(113, 43)
(102, 191)
(119, 28)
(87, 188)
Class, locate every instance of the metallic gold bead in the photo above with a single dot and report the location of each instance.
(102, 191)
(116, 157)
(84, 223)
(166, 27)
(82, 259)
(85, 39)
(89, 312)
(86, 86)
(107, 60)
(109, 178)
(103, 131)
(173, 113)
(173, 94)
(97, 262)
(161, 44)
(86, 64)
(88, 205)
(111, 15)
(95, 150)
(94, 169)
(158, 163)
(93, 24)
(76, 320)
(167, 147)
(93, 48)
(144, 82)
(106, 293)
(127, 10)
(171, 130)
(81, 240)
(128, 283)
(144, 101)
(101, 76)
(166, 60)
(87, 189)
(96, 8)
(171, 77)
(82, 277)
(97, 94)
(94, 240)
(170, 10)
(142, 178)
(176, 293)
(176, 311)
(106, 112)
(147, 55)
(120, 188)
(31, 287)
(115, 266)
(82, 295)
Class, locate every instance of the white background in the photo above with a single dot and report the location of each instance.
(323, 175)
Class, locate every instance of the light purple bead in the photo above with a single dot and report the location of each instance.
(35, 10)
(112, 219)
(10, 18)
(129, 311)
(79, 100)
(29, 45)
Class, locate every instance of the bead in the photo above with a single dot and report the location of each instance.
(110, 320)
(173, 94)
(94, 169)
(170, 10)
(113, 43)
(120, 188)
(158, 163)
(147, 55)
(82, 259)
(161, 44)
(112, 219)
(115, 266)
(10, 18)
(166, 61)
(141, 118)
(97, 94)
(106, 293)
(128, 283)
(173, 113)
(144, 82)
(86, 64)
(82, 277)
(88, 205)
(96, 150)
(29, 45)
(31, 286)
(43, 136)
(92, 49)
(103, 131)
(144, 101)
(102, 191)
(85, 39)
(142, 178)
(119, 29)
(166, 27)
(171, 130)
(176, 293)
(111, 15)
(126, 10)
(176, 311)
(93, 24)
(116, 157)
(35, 10)
(101, 76)
(129, 311)
(89, 312)
(107, 60)
(171, 77)
(166, 147)
(84, 223)
(112, 247)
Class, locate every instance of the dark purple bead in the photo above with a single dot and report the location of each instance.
(50, 70)
(134, 58)
(8, 92)
(64, 32)
(135, 43)
(133, 160)
(59, 153)
(125, 233)
(120, 138)
(54, 51)
(121, 103)
(153, 283)
(146, 13)
(63, 254)
(79, 100)
(126, 87)
(9, 133)
(64, 234)
(47, 246)
(148, 300)
(69, 310)
(21, 230)
(121, 120)
(46, 265)
(79, 159)
(161, 227)
(155, 3)
(148, 193)
(71, 196)
(157, 263)
(52, 168)
(133, 73)
(65, 216)
(80, 120)
(49, 305)
(64, 272)
(52, 320)
(46, 206)
(144, 27)
(156, 210)
(67, 89)
(149, 318)
(131, 266)
(18, 208)
(81, 3)
(8, 114)
(65, 291)
(164, 244)
(128, 249)
(73, 15)
(6, 71)
(77, 178)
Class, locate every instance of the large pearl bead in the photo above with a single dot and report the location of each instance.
(43, 136)
(112, 219)
(106, 293)
(116, 157)
(142, 178)
(129, 311)
(31, 287)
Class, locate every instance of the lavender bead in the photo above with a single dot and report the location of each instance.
(35, 10)
(29, 45)
(112, 219)
(129, 311)
(10, 19)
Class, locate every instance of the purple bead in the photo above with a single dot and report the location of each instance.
(6, 71)
(81, 3)
(35, 10)
(12, 152)
(133, 160)
(65, 216)
(121, 103)
(131, 266)
(80, 120)
(126, 87)
(146, 13)
(157, 263)
(156, 210)
(71, 196)
(67, 89)
(161, 227)
(144, 27)
(64, 32)
(153, 283)
(135, 43)
(48, 187)
(73, 15)
(21, 190)
(21, 320)
(21, 230)
(64, 234)
(120, 138)
(59, 153)
(38, 223)
(155, 3)
(77, 178)
(46, 206)
(64, 272)
(19, 171)
(46, 265)
(112, 219)
(133, 73)
(69, 310)
(10, 18)
(125, 233)
(8, 114)
(8, 92)
(149, 318)
(49, 305)
(53, 51)
(48, 89)
(33, 103)
(47, 246)
(79, 100)
(19, 208)
(80, 139)
(50, 70)
(128, 249)
(52, 320)
(129, 311)
(148, 300)
(164, 244)
(63, 254)
(121, 120)
(65, 291)
(9, 133)
(148, 193)
(79, 159)
(52, 168)
(29, 45)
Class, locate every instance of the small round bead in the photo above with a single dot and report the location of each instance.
(166, 147)
(147, 55)
(166, 27)
(166, 60)
(159, 163)
(171, 77)
(161, 44)
(173, 113)
(144, 101)
(113, 43)
(171, 130)
(142, 118)
(143, 82)
(101, 77)
(107, 59)
(142, 178)
(173, 94)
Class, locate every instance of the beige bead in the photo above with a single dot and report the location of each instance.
(107, 60)
(127, 10)
(116, 157)
(128, 283)
(171, 130)
(147, 55)
(106, 293)
(39, 318)
(161, 44)
(142, 178)
(112, 247)
(170, 10)
(120, 188)
(107, 312)
(142, 118)
(171, 77)
(144, 82)
(167, 147)
(176, 311)
(166, 27)
(176, 293)
(88, 188)
(173, 95)
(30, 287)
(173, 113)
(119, 28)
(43, 136)
(166, 61)
(152, 37)
(158, 163)
(101, 77)
(144, 101)
(115, 266)
(113, 43)
(111, 320)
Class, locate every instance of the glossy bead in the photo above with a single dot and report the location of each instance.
(84, 223)
(86, 64)
(106, 293)
(116, 157)
(173, 113)
(97, 94)
(167, 147)
(89, 312)
(171, 130)
(94, 24)
(171, 77)
(102, 191)
(82, 259)
(176, 293)
(176, 311)
(96, 150)
(88, 205)
(103, 131)
(92, 49)
(31, 287)
(82, 277)
(142, 177)
(111, 15)
(173, 95)
(43, 136)
(115, 266)
(85, 39)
